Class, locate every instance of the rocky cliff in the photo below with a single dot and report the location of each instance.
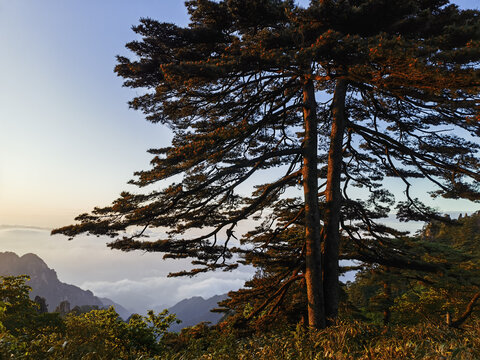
(45, 283)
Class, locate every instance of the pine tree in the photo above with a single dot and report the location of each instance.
(337, 95)
(416, 295)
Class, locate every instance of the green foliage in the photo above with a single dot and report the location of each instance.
(102, 335)
(25, 332)
(419, 296)
(96, 334)
(344, 340)
(238, 87)
(17, 308)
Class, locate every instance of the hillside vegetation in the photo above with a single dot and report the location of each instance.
(385, 314)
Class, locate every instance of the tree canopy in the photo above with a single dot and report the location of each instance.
(336, 96)
(407, 296)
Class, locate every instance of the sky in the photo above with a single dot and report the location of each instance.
(69, 142)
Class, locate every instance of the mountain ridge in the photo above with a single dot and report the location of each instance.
(45, 283)
(195, 310)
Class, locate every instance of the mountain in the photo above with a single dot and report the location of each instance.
(196, 310)
(45, 283)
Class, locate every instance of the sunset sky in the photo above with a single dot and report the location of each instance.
(68, 141)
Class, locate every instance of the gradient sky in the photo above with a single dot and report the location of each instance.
(68, 141)
(67, 138)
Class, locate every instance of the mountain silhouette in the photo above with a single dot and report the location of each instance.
(45, 283)
(196, 310)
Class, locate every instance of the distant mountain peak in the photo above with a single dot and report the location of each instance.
(31, 257)
(45, 283)
(195, 310)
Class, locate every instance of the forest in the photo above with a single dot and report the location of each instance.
(310, 125)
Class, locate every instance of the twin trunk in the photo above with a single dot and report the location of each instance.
(322, 244)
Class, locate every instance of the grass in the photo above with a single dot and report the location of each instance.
(353, 340)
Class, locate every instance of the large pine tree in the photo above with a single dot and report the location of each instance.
(337, 95)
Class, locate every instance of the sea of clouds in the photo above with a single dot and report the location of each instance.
(136, 280)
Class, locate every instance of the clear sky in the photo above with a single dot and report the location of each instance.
(68, 141)
(67, 138)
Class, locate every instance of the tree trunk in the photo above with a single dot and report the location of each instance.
(333, 197)
(313, 256)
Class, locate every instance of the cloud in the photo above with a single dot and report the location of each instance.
(209, 287)
(7, 227)
(136, 280)
(161, 292)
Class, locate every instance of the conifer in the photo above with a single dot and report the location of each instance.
(335, 96)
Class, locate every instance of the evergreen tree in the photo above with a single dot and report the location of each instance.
(415, 296)
(337, 95)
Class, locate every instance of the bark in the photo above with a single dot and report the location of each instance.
(313, 256)
(333, 197)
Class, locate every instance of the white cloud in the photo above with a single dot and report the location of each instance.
(209, 287)
(134, 279)
(4, 227)
(160, 292)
